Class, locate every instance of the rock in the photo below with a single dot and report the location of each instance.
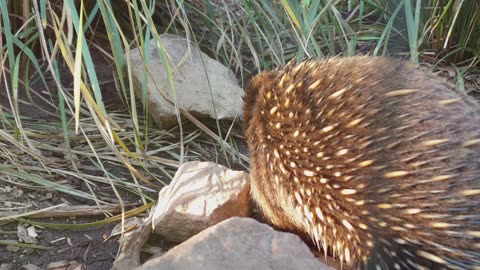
(200, 195)
(65, 265)
(135, 234)
(7, 266)
(189, 68)
(31, 267)
(238, 243)
(23, 235)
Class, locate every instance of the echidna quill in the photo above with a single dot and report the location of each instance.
(376, 159)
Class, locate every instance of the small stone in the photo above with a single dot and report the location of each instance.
(65, 265)
(58, 265)
(24, 236)
(7, 266)
(12, 248)
(32, 232)
(30, 267)
(200, 195)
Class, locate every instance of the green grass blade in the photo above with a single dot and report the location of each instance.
(87, 59)
(78, 69)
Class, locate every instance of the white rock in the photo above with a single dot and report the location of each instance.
(134, 233)
(194, 92)
(238, 243)
(200, 195)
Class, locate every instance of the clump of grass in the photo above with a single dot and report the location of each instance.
(268, 33)
(79, 132)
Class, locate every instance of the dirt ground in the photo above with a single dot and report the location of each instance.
(91, 247)
(86, 246)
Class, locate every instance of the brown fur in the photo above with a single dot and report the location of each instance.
(374, 158)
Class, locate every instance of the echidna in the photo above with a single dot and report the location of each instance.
(376, 159)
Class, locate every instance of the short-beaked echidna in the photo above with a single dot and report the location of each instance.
(374, 158)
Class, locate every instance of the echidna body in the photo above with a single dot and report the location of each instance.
(377, 160)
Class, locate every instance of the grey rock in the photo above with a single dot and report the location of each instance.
(201, 83)
(238, 243)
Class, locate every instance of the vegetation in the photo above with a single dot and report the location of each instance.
(68, 116)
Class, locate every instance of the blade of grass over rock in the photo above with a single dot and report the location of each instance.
(212, 99)
(170, 83)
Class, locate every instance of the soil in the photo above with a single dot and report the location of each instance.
(85, 246)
